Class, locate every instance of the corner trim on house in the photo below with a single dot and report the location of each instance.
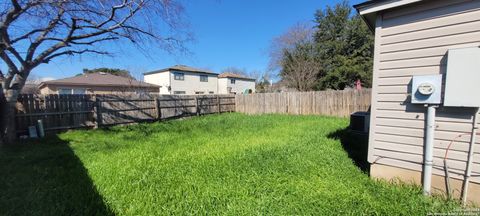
(373, 108)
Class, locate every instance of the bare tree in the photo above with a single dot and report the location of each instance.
(34, 32)
(297, 34)
(300, 67)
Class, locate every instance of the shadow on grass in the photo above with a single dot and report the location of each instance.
(355, 144)
(45, 177)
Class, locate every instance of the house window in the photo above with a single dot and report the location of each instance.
(232, 81)
(64, 91)
(178, 76)
(211, 92)
(178, 92)
(203, 78)
(199, 92)
(79, 91)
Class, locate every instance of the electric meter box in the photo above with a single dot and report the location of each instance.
(462, 83)
(427, 89)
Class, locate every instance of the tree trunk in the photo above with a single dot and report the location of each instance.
(7, 116)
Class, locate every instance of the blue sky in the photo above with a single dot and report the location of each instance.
(228, 33)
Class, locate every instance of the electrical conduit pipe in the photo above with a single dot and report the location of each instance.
(468, 171)
(428, 158)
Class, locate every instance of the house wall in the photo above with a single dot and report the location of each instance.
(222, 86)
(239, 87)
(162, 79)
(392, 173)
(45, 90)
(414, 40)
(192, 84)
(53, 89)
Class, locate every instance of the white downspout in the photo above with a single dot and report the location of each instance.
(468, 171)
(428, 159)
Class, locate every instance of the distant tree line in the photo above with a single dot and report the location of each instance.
(113, 71)
(332, 54)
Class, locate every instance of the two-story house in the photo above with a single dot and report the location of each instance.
(230, 83)
(181, 79)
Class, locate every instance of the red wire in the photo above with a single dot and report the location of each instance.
(452, 141)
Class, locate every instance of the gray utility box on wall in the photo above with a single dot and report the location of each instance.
(427, 89)
(462, 84)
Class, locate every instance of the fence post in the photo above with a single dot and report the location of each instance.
(98, 110)
(196, 106)
(288, 102)
(93, 100)
(158, 109)
(218, 103)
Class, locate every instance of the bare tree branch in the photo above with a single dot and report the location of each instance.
(300, 68)
(40, 58)
(41, 37)
(11, 65)
(16, 5)
(16, 11)
(112, 14)
(27, 35)
(72, 52)
(59, 27)
(94, 41)
(297, 34)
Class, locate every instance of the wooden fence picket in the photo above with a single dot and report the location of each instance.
(61, 112)
(333, 103)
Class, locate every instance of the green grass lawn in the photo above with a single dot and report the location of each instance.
(219, 164)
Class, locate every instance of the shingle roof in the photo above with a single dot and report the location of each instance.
(233, 75)
(181, 68)
(99, 79)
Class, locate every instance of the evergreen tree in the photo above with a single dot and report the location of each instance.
(345, 48)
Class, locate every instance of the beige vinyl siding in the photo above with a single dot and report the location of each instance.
(192, 84)
(240, 85)
(162, 79)
(414, 40)
(223, 86)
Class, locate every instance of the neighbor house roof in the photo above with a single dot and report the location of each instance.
(99, 79)
(234, 75)
(182, 68)
(369, 9)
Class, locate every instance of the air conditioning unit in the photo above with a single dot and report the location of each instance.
(360, 122)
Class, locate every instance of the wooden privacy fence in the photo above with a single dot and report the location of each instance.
(56, 111)
(332, 103)
(60, 112)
